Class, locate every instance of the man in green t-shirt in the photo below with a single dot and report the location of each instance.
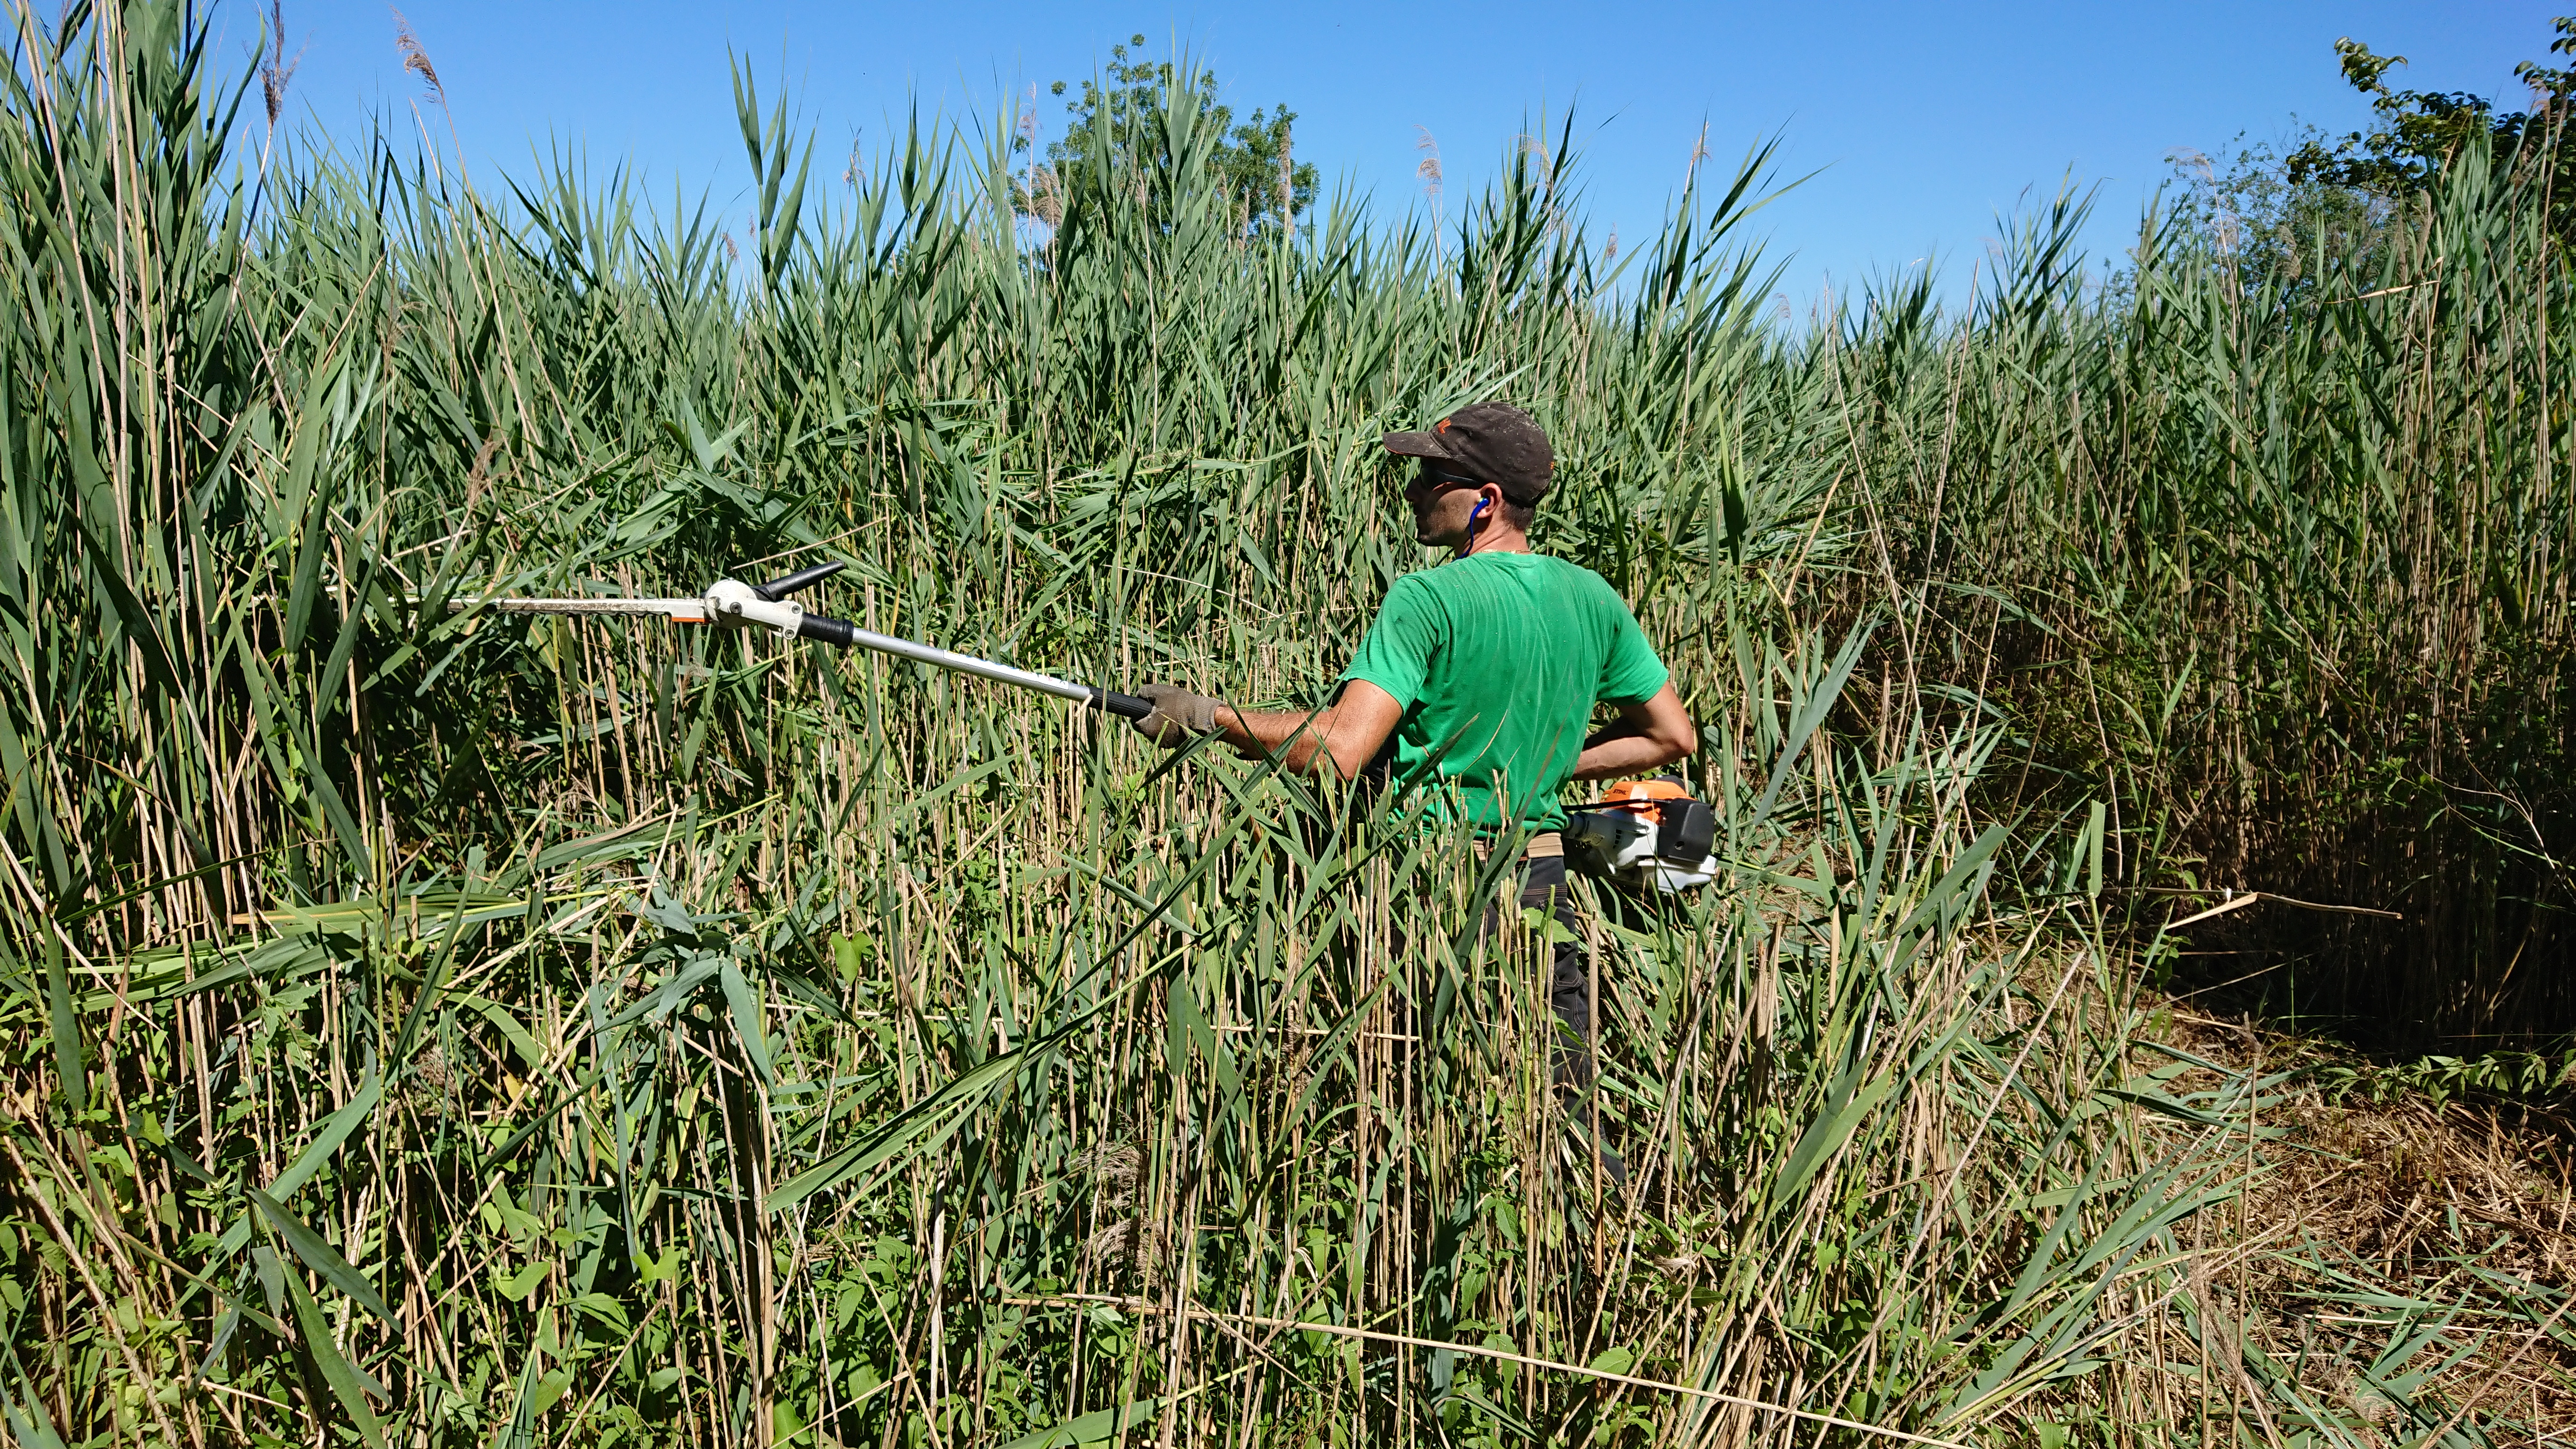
(1481, 674)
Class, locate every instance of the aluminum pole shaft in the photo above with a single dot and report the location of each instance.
(968, 664)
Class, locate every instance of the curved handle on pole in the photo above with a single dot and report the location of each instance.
(779, 588)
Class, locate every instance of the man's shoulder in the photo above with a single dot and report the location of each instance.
(1572, 578)
(1545, 565)
(1544, 573)
(1412, 590)
(1567, 568)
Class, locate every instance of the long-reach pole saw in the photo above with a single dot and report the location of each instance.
(755, 606)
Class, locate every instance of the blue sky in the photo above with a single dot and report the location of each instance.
(1922, 122)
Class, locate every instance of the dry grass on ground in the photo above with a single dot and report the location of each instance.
(2365, 1211)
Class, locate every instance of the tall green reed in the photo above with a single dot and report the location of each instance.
(444, 1027)
(2287, 567)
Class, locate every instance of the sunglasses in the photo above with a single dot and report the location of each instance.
(1431, 474)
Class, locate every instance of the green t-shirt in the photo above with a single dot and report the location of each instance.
(1498, 659)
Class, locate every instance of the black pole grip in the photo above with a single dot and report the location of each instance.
(1125, 706)
(839, 632)
(777, 589)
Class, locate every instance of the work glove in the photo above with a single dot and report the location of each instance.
(1179, 716)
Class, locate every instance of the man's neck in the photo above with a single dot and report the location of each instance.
(1493, 540)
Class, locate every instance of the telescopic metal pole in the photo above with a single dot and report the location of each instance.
(849, 635)
(730, 601)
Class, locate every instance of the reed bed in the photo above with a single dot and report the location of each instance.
(436, 1028)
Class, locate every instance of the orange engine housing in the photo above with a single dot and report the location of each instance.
(1645, 797)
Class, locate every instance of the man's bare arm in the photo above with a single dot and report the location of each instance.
(1341, 738)
(1649, 734)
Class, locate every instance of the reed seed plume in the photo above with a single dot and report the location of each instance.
(1287, 180)
(276, 71)
(1046, 194)
(416, 57)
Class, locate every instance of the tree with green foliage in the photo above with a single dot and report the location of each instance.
(2419, 133)
(2288, 213)
(1126, 110)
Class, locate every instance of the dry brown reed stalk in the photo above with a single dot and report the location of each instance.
(1499, 1355)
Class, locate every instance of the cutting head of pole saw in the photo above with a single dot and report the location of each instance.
(753, 606)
